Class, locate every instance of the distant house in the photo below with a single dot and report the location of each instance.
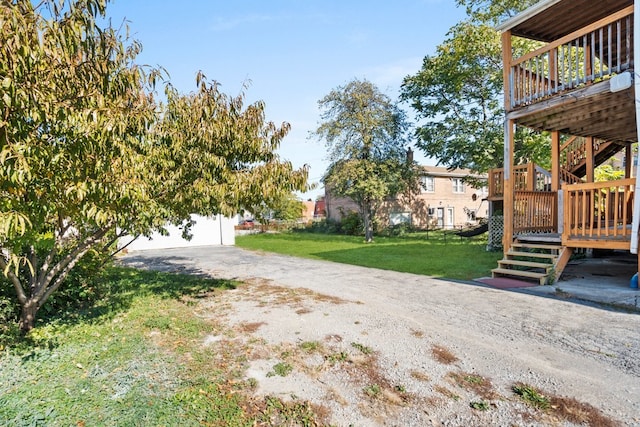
(308, 211)
(320, 209)
(445, 201)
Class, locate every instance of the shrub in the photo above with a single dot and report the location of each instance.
(352, 224)
(325, 226)
(8, 317)
(82, 287)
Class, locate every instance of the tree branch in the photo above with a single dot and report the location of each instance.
(15, 280)
(62, 268)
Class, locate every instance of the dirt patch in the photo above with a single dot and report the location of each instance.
(329, 369)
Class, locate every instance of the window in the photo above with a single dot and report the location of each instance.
(428, 184)
(432, 211)
(458, 185)
(396, 218)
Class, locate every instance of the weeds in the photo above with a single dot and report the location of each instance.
(420, 376)
(480, 406)
(446, 392)
(363, 348)
(310, 346)
(563, 408)
(443, 355)
(372, 390)
(531, 396)
(334, 358)
(476, 383)
(277, 413)
(281, 369)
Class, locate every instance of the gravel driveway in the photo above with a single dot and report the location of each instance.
(374, 347)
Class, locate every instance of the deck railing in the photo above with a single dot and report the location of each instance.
(496, 184)
(535, 212)
(599, 211)
(527, 177)
(585, 56)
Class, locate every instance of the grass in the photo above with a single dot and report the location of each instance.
(363, 348)
(136, 358)
(434, 254)
(281, 369)
(562, 408)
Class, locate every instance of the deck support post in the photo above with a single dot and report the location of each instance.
(555, 160)
(509, 131)
(628, 160)
(590, 158)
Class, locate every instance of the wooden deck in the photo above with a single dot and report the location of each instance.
(578, 84)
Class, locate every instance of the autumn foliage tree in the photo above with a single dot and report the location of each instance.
(88, 155)
(365, 133)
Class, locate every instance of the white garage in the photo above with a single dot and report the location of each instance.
(214, 230)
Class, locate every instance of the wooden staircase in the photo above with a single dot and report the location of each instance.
(533, 261)
(574, 154)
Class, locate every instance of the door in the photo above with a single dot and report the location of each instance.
(449, 217)
(440, 217)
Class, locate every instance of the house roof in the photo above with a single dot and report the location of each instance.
(550, 20)
(443, 172)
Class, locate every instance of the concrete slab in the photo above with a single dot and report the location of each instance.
(601, 280)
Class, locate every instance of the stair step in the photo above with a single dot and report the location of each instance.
(544, 265)
(541, 277)
(536, 246)
(532, 255)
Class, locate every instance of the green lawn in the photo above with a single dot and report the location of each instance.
(134, 359)
(434, 254)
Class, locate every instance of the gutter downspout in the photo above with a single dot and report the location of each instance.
(635, 224)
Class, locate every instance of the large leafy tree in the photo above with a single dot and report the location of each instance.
(493, 12)
(365, 134)
(458, 94)
(87, 155)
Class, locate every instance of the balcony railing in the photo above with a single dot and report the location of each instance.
(535, 212)
(527, 177)
(586, 56)
(599, 211)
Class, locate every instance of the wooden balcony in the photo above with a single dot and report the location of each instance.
(565, 85)
(581, 58)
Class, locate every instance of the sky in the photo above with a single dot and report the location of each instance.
(291, 52)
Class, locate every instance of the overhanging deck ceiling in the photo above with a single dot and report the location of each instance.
(592, 111)
(550, 20)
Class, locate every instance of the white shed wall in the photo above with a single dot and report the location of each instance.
(217, 230)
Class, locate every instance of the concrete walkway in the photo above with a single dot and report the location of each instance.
(604, 280)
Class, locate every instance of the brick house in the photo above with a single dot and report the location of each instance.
(445, 201)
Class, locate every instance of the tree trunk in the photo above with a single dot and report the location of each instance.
(28, 316)
(368, 223)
